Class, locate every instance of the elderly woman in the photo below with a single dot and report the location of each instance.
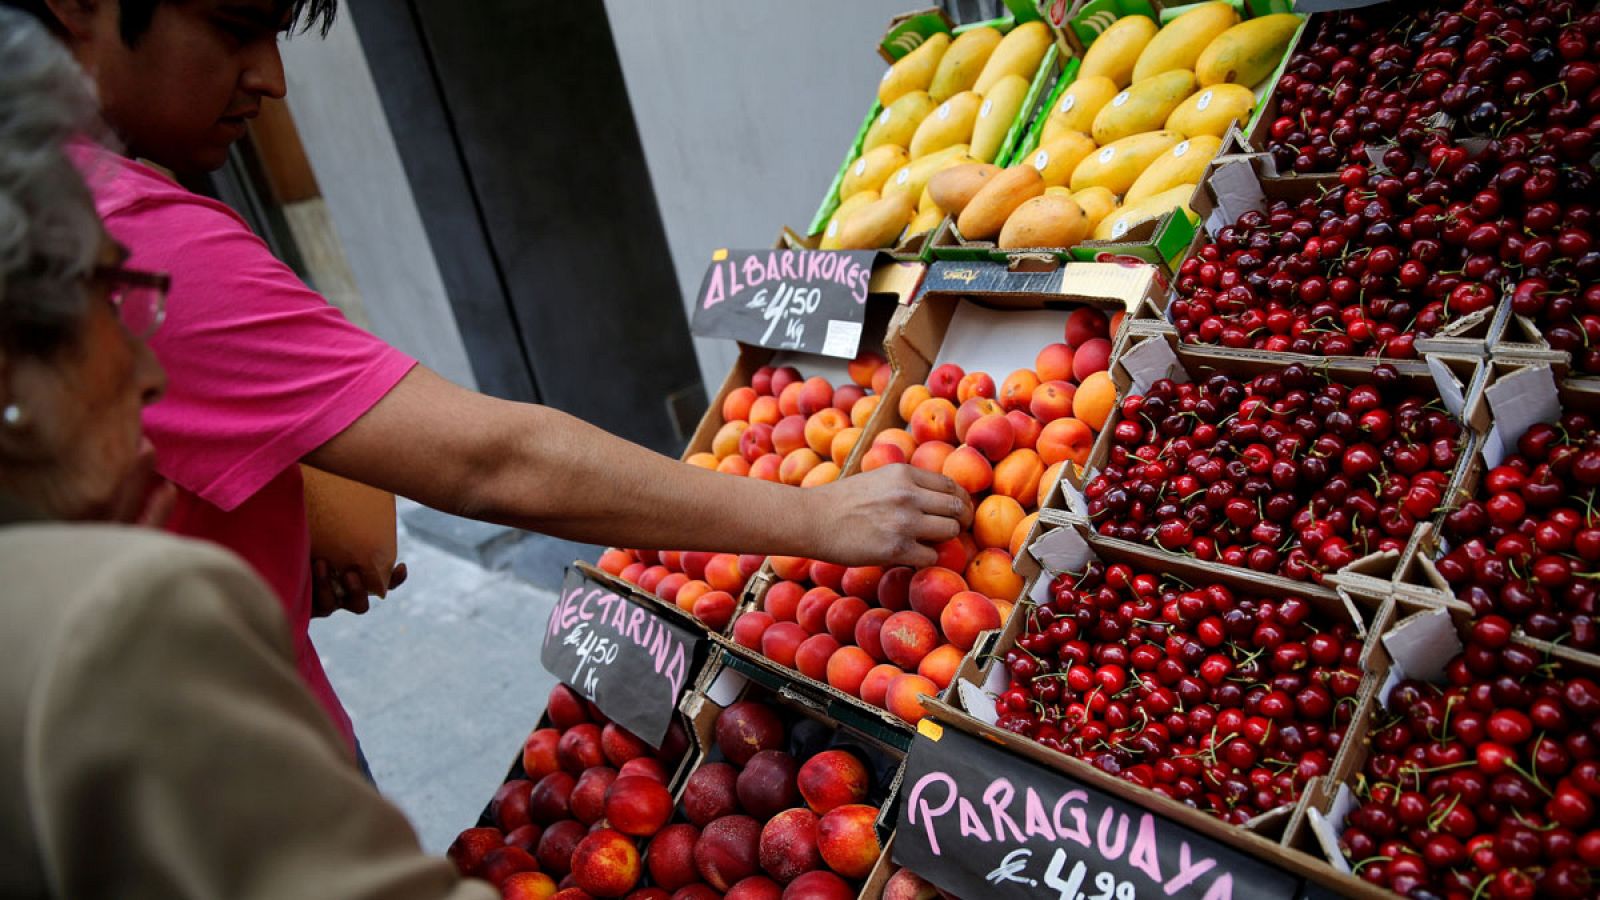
(155, 738)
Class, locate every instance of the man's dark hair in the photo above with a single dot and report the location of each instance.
(136, 15)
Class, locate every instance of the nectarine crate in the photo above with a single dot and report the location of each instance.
(1457, 382)
(885, 158)
(1551, 606)
(1499, 749)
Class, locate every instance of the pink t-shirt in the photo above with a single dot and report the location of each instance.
(261, 370)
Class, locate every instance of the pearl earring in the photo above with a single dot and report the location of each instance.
(13, 416)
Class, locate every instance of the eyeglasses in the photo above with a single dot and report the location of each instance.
(139, 297)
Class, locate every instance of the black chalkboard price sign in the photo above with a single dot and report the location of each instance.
(810, 301)
(979, 821)
(632, 662)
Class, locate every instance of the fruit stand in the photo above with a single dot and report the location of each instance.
(1265, 340)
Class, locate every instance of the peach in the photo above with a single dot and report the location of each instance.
(528, 886)
(955, 553)
(1116, 322)
(901, 698)
(841, 445)
(973, 410)
(470, 847)
(875, 687)
(755, 442)
(847, 837)
(766, 787)
(696, 891)
(1026, 428)
(847, 396)
(779, 642)
(788, 847)
(969, 469)
(765, 411)
(649, 557)
(556, 846)
(539, 753)
(863, 367)
(789, 398)
(910, 399)
(861, 581)
(811, 657)
(905, 884)
(789, 435)
(847, 667)
(673, 560)
(761, 380)
(974, 384)
(715, 609)
(933, 420)
(932, 588)
(1094, 356)
(588, 797)
(750, 564)
(1054, 363)
(631, 573)
(670, 857)
(646, 767)
(649, 578)
(711, 793)
(868, 628)
(550, 800)
(728, 851)
(907, 637)
(940, 666)
(992, 436)
(793, 568)
(823, 473)
(526, 837)
(861, 411)
(819, 885)
(1096, 397)
(841, 617)
(782, 600)
(667, 588)
(502, 863)
(1051, 401)
(898, 437)
(606, 863)
(816, 394)
(968, 615)
(736, 405)
(944, 380)
(689, 593)
(751, 626)
(1066, 439)
(826, 574)
(994, 520)
(832, 779)
(572, 891)
(797, 464)
(1084, 324)
(579, 749)
(612, 561)
(1019, 536)
(565, 707)
(894, 588)
(756, 887)
(703, 460)
(724, 574)
(931, 456)
(1017, 476)
(745, 729)
(694, 562)
(991, 575)
(812, 613)
(1048, 481)
(822, 426)
(784, 376)
(766, 468)
(1017, 390)
(637, 805)
(726, 441)
(880, 455)
(881, 378)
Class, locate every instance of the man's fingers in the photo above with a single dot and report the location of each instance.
(942, 496)
(918, 556)
(398, 576)
(937, 528)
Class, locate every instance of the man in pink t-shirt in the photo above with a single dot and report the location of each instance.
(263, 374)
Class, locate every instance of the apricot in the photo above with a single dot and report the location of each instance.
(901, 697)
(875, 686)
(846, 397)
(750, 564)
(539, 753)
(751, 626)
(867, 630)
(880, 455)
(789, 435)
(694, 563)
(969, 469)
(579, 748)
(897, 437)
(932, 587)
(612, 561)
(833, 778)
(696, 891)
(745, 729)
(779, 642)
(910, 399)
(783, 599)
(509, 807)
(1065, 439)
(1084, 324)
(847, 838)
(670, 857)
(528, 886)
(991, 575)
(819, 885)
(994, 520)
(766, 468)
(637, 805)
(788, 847)
(940, 666)
(992, 436)
(1052, 400)
(848, 666)
(651, 577)
(1026, 428)
(797, 464)
(863, 367)
(761, 380)
(894, 588)
(1019, 538)
(1048, 482)
(881, 378)
(1054, 363)
(549, 801)
(861, 581)
(841, 445)
(823, 473)
(500, 864)
(1116, 322)
(667, 588)
(755, 442)
(944, 380)
(968, 615)
(724, 574)
(736, 405)
(812, 611)
(1017, 390)
(955, 553)
(1095, 399)
(811, 657)
(782, 377)
(822, 426)
(907, 637)
(557, 844)
(711, 793)
(816, 394)
(728, 851)
(861, 411)
(841, 617)
(606, 863)
(931, 456)
(974, 384)
(703, 460)
(973, 410)
(793, 568)
(766, 787)
(715, 609)
(620, 745)
(1093, 356)
(765, 411)
(934, 419)
(789, 398)
(1017, 476)
(756, 887)
(673, 560)
(691, 591)
(826, 574)
(726, 442)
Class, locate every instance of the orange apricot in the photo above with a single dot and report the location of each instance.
(1017, 476)
(1095, 398)
(994, 520)
(736, 405)
(991, 575)
(910, 399)
(1065, 439)
(968, 468)
(1017, 390)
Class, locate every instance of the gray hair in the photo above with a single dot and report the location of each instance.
(49, 231)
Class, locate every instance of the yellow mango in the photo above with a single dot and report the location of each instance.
(1119, 223)
(963, 63)
(912, 177)
(1179, 42)
(949, 124)
(1077, 106)
(1114, 53)
(1247, 52)
(914, 71)
(925, 202)
(1018, 53)
(1118, 164)
(954, 187)
(1144, 106)
(1213, 110)
(999, 196)
(926, 220)
(996, 115)
(1049, 220)
(872, 168)
(898, 121)
(830, 234)
(1180, 165)
(1056, 158)
(877, 224)
(1096, 203)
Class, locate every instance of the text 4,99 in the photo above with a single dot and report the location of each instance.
(1069, 886)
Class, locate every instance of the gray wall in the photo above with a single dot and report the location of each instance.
(745, 109)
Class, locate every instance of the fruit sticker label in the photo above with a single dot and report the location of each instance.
(801, 300)
(615, 651)
(978, 821)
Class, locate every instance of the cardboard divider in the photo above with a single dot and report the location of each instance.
(1521, 339)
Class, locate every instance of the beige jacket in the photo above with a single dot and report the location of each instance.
(155, 740)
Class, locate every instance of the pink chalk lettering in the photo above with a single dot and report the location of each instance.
(1079, 831)
(1035, 818)
(1144, 855)
(998, 798)
(1189, 869)
(918, 804)
(971, 825)
(1112, 851)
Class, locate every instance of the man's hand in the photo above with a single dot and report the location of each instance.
(332, 590)
(889, 516)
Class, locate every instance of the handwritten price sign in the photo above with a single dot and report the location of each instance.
(810, 301)
(619, 653)
(981, 822)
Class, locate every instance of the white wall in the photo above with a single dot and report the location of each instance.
(745, 108)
